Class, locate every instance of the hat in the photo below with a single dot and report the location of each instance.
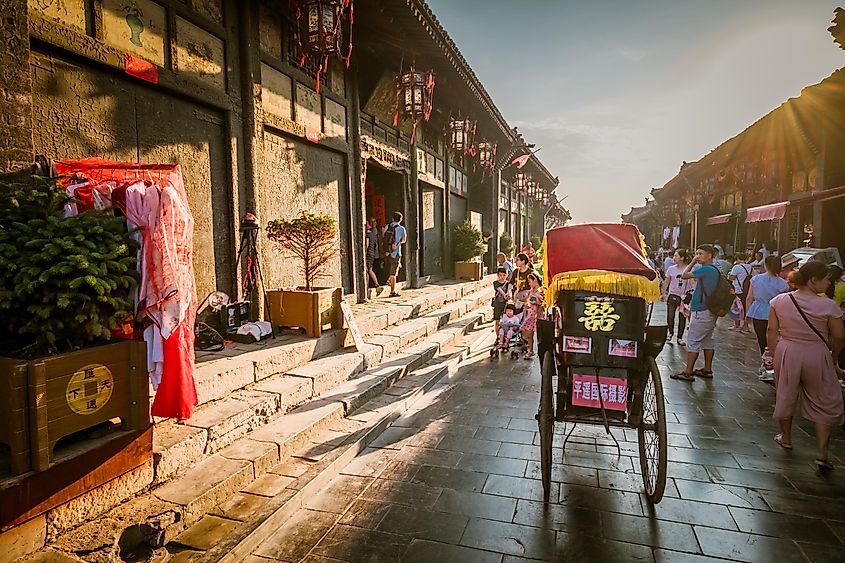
(788, 259)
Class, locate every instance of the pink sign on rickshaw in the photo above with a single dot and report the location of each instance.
(612, 391)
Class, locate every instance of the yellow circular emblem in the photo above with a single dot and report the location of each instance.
(89, 389)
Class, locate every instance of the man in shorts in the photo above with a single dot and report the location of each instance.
(395, 237)
(702, 321)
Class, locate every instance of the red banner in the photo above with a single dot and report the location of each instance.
(613, 392)
(140, 68)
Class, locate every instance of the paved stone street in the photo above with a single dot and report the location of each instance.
(458, 480)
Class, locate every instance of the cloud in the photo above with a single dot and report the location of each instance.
(633, 55)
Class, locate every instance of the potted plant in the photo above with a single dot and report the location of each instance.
(65, 285)
(468, 246)
(506, 244)
(313, 238)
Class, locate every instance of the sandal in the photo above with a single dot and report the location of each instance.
(779, 441)
(824, 465)
(706, 374)
(529, 355)
(683, 376)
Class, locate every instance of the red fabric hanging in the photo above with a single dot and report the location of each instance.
(167, 291)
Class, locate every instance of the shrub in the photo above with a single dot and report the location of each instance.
(468, 242)
(311, 238)
(64, 281)
(506, 243)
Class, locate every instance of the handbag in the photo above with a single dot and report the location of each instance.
(809, 324)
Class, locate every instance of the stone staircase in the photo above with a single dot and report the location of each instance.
(284, 403)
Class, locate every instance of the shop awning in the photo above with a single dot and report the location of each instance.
(719, 219)
(766, 212)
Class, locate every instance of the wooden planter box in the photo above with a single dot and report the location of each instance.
(53, 397)
(471, 271)
(310, 310)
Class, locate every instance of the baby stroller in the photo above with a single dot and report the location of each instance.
(511, 329)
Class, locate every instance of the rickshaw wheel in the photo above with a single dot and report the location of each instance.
(651, 435)
(546, 421)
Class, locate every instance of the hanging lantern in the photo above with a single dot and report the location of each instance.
(320, 31)
(461, 135)
(414, 94)
(519, 181)
(487, 155)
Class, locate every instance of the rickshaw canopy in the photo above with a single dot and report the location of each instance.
(604, 257)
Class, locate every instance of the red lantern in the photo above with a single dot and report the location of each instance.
(487, 155)
(519, 181)
(414, 94)
(320, 31)
(462, 135)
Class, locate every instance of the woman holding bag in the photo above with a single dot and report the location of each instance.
(676, 290)
(800, 326)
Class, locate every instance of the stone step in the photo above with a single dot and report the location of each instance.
(283, 460)
(242, 364)
(247, 405)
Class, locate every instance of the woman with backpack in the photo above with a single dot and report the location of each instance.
(805, 333)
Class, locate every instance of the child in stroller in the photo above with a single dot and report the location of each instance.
(510, 333)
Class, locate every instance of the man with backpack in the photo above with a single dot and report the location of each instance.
(394, 237)
(711, 299)
(740, 276)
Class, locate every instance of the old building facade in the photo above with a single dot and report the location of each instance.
(781, 182)
(220, 87)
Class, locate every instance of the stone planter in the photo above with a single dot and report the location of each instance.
(313, 311)
(471, 271)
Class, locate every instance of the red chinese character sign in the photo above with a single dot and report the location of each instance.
(610, 391)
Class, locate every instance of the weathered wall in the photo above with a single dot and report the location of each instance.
(79, 111)
(15, 87)
(296, 177)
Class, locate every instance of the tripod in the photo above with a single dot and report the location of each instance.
(252, 276)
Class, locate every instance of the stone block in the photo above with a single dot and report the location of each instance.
(175, 448)
(298, 426)
(373, 355)
(292, 391)
(206, 485)
(265, 406)
(329, 372)
(408, 332)
(98, 501)
(225, 421)
(241, 506)
(262, 455)
(217, 378)
(390, 345)
(355, 393)
(22, 540)
(426, 350)
(207, 532)
(279, 359)
(268, 485)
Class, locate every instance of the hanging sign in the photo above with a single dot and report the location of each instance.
(139, 68)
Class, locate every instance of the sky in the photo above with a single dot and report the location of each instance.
(618, 93)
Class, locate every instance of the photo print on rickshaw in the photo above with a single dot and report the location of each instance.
(578, 344)
(622, 348)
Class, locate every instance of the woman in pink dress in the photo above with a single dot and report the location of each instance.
(800, 326)
(535, 308)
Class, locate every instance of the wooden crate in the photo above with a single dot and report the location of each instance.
(79, 390)
(14, 429)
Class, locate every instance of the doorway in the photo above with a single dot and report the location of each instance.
(383, 196)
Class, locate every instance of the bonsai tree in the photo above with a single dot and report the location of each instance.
(506, 243)
(468, 242)
(311, 238)
(64, 281)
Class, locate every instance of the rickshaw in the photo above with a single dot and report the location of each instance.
(597, 349)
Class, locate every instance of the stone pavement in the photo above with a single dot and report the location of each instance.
(458, 480)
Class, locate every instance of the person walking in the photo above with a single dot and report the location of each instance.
(372, 253)
(702, 320)
(764, 288)
(740, 277)
(534, 309)
(801, 325)
(519, 279)
(395, 236)
(676, 289)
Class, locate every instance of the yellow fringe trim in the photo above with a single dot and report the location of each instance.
(602, 281)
